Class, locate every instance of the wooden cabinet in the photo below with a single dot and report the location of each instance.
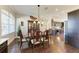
(33, 26)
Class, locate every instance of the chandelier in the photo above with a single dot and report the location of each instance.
(38, 12)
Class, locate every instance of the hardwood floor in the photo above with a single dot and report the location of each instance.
(57, 45)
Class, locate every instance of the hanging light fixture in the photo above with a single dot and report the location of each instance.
(38, 13)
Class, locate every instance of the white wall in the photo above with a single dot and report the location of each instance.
(25, 27)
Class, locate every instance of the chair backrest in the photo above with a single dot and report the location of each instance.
(20, 34)
(38, 35)
(31, 34)
(35, 35)
(46, 33)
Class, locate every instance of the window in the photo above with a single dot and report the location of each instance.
(7, 23)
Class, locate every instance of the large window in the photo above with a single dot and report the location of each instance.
(7, 23)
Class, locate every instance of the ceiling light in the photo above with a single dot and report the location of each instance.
(56, 9)
(63, 12)
(34, 22)
(38, 22)
(38, 12)
(46, 8)
(58, 38)
(42, 23)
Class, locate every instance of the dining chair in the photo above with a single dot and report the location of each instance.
(46, 38)
(21, 40)
(36, 39)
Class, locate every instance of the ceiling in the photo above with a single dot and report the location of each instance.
(54, 10)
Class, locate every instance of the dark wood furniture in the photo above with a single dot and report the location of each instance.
(36, 36)
(4, 47)
(40, 38)
(46, 37)
(33, 26)
(35, 39)
(21, 39)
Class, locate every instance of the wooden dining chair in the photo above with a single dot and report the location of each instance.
(46, 38)
(21, 40)
(36, 39)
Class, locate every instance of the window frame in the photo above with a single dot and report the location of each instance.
(9, 24)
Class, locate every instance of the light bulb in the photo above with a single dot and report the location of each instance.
(38, 22)
(34, 22)
(42, 22)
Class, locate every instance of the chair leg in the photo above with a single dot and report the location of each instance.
(20, 44)
(48, 43)
(43, 44)
(29, 44)
(32, 48)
